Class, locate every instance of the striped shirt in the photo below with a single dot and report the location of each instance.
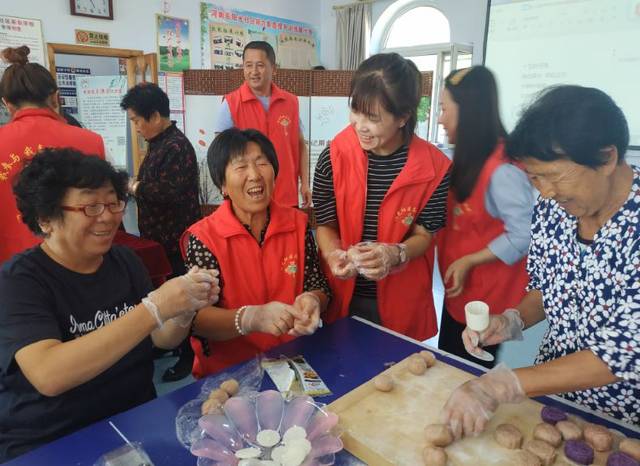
(382, 171)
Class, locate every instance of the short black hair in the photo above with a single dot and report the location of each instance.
(261, 45)
(570, 122)
(232, 143)
(44, 180)
(392, 81)
(145, 99)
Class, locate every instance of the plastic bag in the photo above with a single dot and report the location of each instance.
(249, 376)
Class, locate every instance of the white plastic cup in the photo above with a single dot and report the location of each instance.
(477, 315)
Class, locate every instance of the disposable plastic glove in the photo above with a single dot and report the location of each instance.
(307, 318)
(184, 320)
(472, 404)
(275, 318)
(183, 295)
(502, 327)
(375, 260)
(340, 265)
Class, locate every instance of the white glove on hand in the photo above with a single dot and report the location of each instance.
(472, 404)
(307, 318)
(375, 260)
(502, 327)
(182, 295)
(184, 320)
(275, 318)
(340, 265)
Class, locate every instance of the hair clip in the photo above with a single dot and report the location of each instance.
(459, 76)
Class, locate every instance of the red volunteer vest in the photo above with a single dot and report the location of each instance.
(405, 302)
(470, 228)
(281, 125)
(252, 275)
(30, 130)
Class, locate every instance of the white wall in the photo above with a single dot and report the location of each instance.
(134, 25)
(467, 20)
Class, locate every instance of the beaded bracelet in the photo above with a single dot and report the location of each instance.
(236, 320)
(153, 309)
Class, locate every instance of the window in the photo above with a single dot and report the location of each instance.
(420, 32)
(419, 26)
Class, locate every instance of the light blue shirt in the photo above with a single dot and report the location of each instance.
(225, 121)
(510, 198)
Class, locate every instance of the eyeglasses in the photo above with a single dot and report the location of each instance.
(95, 210)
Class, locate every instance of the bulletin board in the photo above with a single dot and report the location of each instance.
(225, 32)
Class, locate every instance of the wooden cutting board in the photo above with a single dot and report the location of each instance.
(385, 429)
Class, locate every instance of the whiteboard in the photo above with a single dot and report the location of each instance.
(532, 44)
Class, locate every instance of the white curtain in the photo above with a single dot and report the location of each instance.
(354, 29)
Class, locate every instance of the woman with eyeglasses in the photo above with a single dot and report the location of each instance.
(78, 316)
(31, 96)
(482, 248)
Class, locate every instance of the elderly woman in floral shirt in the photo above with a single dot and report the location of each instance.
(584, 266)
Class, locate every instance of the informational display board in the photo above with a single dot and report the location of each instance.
(328, 116)
(200, 121)
(173, 85)
(174, 47)
(225, 32)
(66, 79)
(533, 44)
(99, 105)
(15, 32)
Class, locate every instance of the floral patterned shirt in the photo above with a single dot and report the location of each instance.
(591, 297)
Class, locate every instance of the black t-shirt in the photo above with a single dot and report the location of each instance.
(39, 300)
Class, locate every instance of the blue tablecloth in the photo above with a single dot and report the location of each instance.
(345, 354)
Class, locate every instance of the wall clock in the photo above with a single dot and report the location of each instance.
(102, 9)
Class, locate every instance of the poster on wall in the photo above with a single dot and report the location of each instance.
(225, 32)
(15, 32)
(174, 48)
(66, 79)
(99, 105)
(173, 85)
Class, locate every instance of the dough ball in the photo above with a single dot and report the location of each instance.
(219, 394)
(211, 406)
(438, 435)
(547, 433)
(383, 382)
(542, 450)
(578, 451)
(552, 415)
(509, 436)
(417, 365)
(231, 387)
(268, 438)
(428, 357)
(621, 459)
(569, 430)
(434, 456)
(631, 447)
(526, 458)
(598, 437)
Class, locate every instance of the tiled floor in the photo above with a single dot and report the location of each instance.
(161, 365)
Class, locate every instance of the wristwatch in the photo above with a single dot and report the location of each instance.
(402, 250)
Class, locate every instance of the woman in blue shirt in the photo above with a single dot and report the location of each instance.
(584, 266)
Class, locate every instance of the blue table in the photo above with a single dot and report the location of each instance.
(345, 354)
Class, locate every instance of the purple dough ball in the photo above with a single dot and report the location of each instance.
(621, 459)
(578, 451)
(552, 415)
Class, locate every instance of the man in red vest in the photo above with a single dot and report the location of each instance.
(261, 105)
